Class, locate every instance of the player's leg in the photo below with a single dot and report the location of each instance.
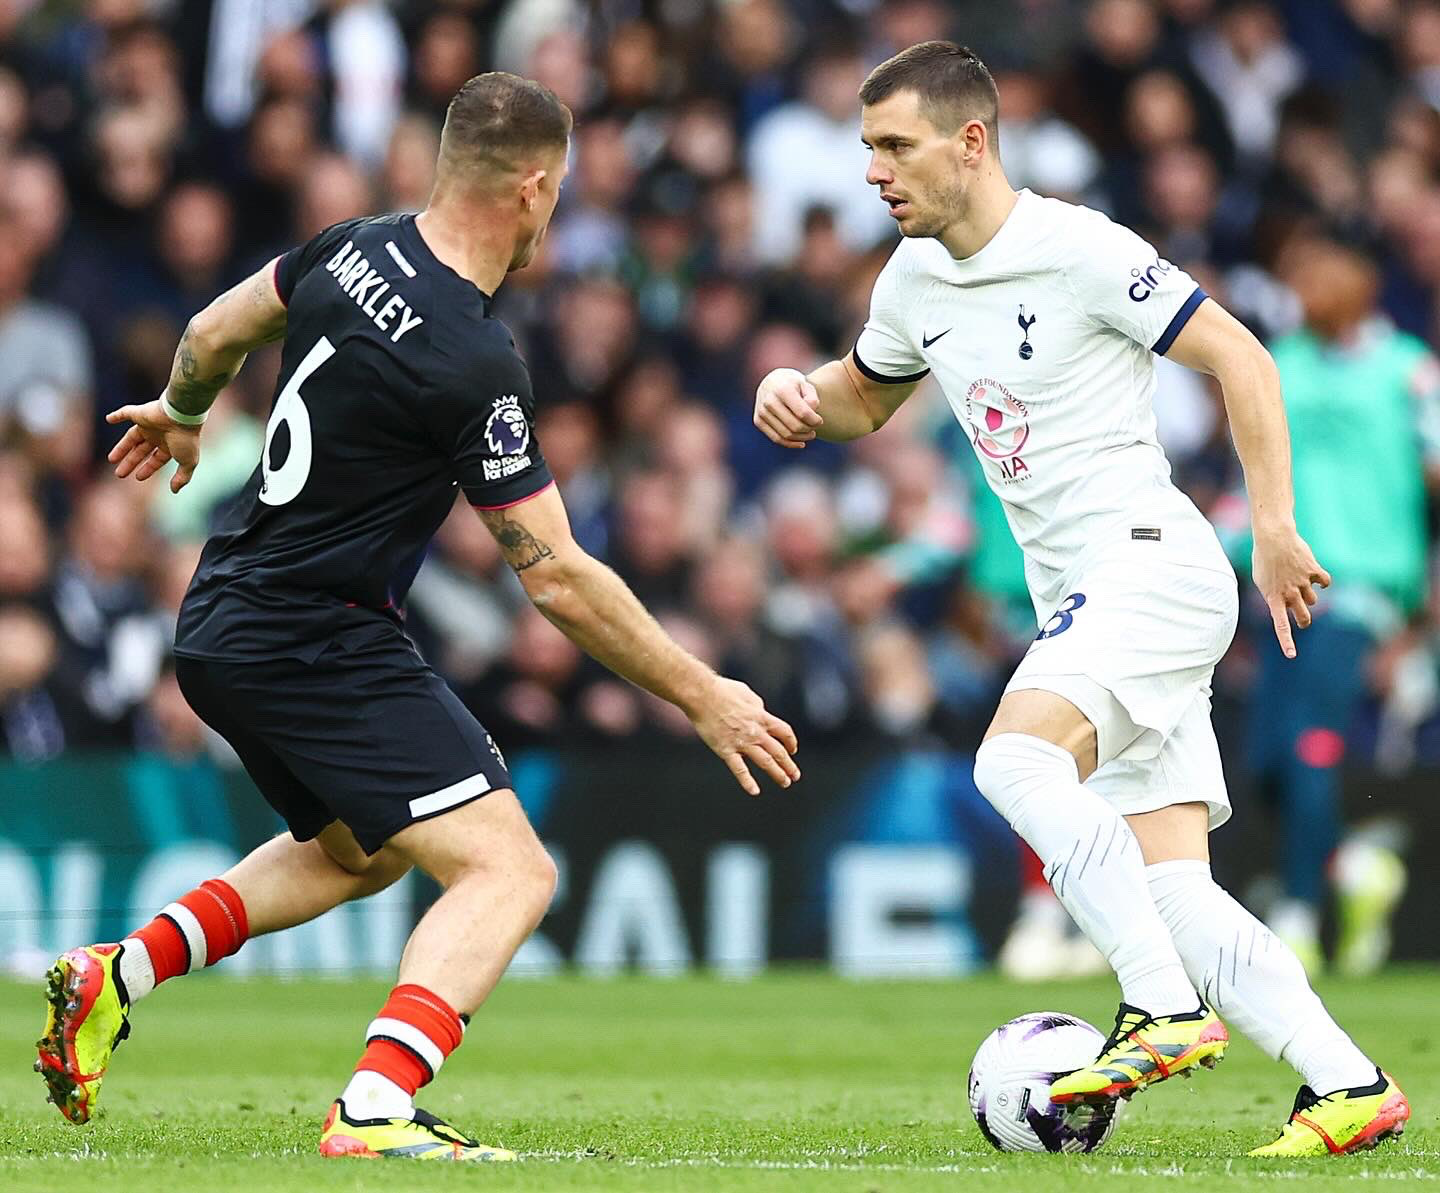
(90, 990)
(1031, 764)
(498, 881)
(286, 881)
(282, 883)
(1258, 984)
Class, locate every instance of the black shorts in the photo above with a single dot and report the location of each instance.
(367, 734)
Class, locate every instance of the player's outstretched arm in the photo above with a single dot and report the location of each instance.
(211, 351)
(836, 402)
(1285, 569)
(598, 612)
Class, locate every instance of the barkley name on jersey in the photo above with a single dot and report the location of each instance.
(1043, 343)
(395, 386)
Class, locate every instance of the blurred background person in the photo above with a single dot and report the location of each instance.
(1363, 400)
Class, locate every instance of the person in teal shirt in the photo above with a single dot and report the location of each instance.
(1363, 400)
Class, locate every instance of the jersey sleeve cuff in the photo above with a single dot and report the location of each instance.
(485, 507)
(1182, 317)
(284, 274)
(908, 379)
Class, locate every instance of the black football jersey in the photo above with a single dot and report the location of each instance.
(395, 386)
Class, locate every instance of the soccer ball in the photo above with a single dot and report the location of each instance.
(1010, 1085)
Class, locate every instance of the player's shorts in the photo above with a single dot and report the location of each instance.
(1133, 645)
(367, 734)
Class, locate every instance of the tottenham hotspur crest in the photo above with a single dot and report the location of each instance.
(506, 431)
(1027, 350)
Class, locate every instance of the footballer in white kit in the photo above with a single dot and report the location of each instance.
(1040, 322)
(1043, 343)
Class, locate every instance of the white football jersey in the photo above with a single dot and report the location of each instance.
(1042, 343)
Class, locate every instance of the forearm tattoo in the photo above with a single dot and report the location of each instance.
(247, 305)
(520, 548)
(189, 392)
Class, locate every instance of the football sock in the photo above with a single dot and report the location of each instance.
(405, 1045)
(197, 930)
(1252, 978)
(1092, 862)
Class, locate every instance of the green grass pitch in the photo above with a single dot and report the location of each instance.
(797, 1081)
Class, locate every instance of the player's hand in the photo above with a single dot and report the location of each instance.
(734, 722)
(786, 408)
(1286, 573)
(153, 442)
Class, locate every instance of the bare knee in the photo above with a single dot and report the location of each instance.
(532, 872)
(489, 841)
(522, 867)
(543, 877)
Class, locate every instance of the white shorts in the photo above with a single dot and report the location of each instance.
(1133, 645)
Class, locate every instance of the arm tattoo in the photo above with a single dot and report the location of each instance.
(192, 393)
(189, 392)
(521, 548)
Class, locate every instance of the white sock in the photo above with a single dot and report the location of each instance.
(137, 971)
(371, 1095)
(1092, 862)
(1253, 979)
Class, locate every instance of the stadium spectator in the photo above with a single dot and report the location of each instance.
(807, 152)
(1364, 406)
(45, 365)
(534, 695)
(1042, 151)
(30, 726)
(176, 790)
(111, 644)
(1248, 65)
(409, 169)
(652, 548)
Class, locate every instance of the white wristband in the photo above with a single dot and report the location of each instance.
(177, 416)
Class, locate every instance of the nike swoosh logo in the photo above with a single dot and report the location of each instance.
(925, 341)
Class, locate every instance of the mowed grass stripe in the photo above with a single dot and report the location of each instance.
(794, 1081)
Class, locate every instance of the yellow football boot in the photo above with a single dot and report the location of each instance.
(1349, 1120)
(1143, 1050)
(88, 1015)
(424, 1137)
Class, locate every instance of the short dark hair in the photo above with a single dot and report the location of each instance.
(953, 85)
(497, 119)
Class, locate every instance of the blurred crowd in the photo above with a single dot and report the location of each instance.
(717, 224)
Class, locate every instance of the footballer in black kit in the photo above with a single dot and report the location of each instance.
(397, 395)
(395, 386)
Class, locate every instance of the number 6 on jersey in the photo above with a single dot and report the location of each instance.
(283, 484)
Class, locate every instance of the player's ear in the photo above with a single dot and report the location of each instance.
(974, 137)
(530, 188)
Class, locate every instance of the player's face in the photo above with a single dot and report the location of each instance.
(535, 218)
(919, 170)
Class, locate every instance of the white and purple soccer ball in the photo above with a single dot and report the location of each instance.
(1010, 1086)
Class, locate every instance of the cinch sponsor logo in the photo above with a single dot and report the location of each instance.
(1147, 280)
